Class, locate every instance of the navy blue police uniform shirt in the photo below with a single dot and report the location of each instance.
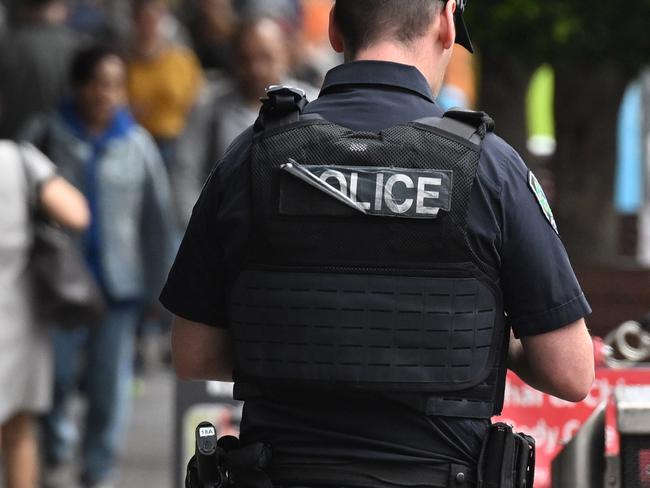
(507, 228)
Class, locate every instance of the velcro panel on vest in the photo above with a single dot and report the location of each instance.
(297, 225)
(392, 332)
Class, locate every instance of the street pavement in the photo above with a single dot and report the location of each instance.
(146, 461)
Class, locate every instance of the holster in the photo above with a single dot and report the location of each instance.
(507, 459)
(232, 466)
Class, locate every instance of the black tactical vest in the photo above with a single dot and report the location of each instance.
(360, 277)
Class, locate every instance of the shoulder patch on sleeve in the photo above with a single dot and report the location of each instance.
(538, 191)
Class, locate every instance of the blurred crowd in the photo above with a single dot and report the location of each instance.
(112, 114)
(182, 61)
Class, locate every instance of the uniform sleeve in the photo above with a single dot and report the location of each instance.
(540, 290)
(198, 283)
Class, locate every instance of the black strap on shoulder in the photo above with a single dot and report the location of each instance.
(480, 120)
(466, 124)
(281, 106)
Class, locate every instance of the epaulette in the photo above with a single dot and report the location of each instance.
(468, 125)
(281, 106)
(481, 121)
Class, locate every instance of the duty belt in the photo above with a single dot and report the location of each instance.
(363, 474)
(507, 460)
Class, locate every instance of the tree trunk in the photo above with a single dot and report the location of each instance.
(503, 85)
(587, 101)
(587, 105)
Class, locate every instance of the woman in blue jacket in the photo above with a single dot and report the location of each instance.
(114, 162)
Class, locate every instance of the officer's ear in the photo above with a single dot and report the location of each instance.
(447, 32)
(336, 39)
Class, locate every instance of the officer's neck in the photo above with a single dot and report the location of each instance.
(429, 60)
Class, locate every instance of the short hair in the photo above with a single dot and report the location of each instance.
(86, 60)
(364, 22)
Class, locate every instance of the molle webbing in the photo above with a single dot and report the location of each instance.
(395, 332)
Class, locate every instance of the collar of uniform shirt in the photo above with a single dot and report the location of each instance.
(382, 73)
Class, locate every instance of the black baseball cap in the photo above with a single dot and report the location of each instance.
(462, 35)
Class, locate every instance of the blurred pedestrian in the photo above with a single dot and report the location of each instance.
(312, 54)
(34, 59)
(164, 78)
(212, 24)
(102, 151)
(286, 12)
(29, 180)
(229, 107)
(91, 17)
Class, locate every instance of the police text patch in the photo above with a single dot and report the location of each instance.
(538, 191)
(385, 192)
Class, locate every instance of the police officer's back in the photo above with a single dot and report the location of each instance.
(355, 265)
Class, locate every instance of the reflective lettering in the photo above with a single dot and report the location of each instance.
(379, 192)
(389, 192)
(338, 176)
(354, 182)
(391, 202)
(425, 194)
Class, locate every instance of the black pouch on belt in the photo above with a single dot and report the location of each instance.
(507, 459)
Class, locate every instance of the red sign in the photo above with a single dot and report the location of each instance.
(644, 468)
(553, 422)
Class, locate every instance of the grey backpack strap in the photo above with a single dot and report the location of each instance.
(282, 106)
(466, 124)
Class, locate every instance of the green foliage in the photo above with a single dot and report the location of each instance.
(567, 31)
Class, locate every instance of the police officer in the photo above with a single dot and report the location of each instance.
(359, 268)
